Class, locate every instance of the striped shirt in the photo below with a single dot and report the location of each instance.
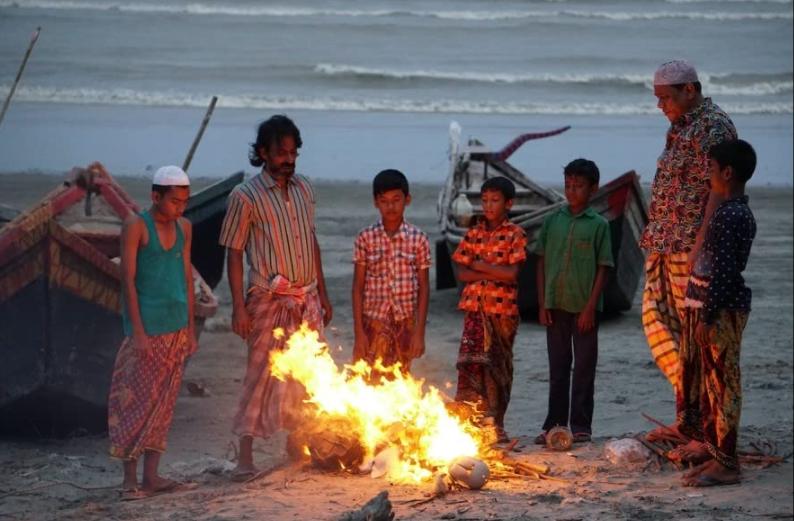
(391, 283)
(276, 233)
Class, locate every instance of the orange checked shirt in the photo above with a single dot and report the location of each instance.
(504, 246)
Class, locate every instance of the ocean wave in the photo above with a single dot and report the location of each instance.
(473, 16)
(723, 84)
(178, 99)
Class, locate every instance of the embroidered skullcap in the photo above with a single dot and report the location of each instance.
(676, 72)
(170, 176)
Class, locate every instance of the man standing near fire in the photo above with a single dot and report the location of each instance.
(680, 202)
(270, 217)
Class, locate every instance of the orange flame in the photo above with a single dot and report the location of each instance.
(395, 411)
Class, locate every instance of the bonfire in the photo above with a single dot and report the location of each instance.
(376, 418)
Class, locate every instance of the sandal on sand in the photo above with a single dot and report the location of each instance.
(240, 476)
(581, 437)
(540, 439)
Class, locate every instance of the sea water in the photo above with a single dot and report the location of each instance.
(375, 84)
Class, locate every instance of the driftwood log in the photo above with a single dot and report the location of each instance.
(376, 509)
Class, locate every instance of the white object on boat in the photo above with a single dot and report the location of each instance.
(462, 210)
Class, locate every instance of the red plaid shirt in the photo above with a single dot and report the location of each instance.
(391, 284)
(506, 245)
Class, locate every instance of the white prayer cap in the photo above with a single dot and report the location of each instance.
(170, 176)
(676, 72)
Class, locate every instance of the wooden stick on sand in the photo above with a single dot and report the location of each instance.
(33, 39)
(203, 126)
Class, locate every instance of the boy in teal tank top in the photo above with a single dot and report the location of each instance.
(157, 313)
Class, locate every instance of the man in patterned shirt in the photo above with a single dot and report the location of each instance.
(270, 217)
(679, 203)
(716, 310)
(390, 280)
(488, 260)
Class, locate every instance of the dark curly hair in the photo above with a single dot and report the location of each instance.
(271, 131)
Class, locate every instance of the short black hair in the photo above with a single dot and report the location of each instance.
(696, 84)
(389, 179)
(583, 168)
(271, 131)
(737, 154)
(499, 184)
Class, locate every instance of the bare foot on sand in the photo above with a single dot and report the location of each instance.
(692, 452)
(713, 474)
(695, 471)
(660, 433)
(159, 484)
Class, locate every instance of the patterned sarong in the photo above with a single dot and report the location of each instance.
(390, 341)
(143, 392)
(666, 278)
(721, 398)
(267, 404)
(688, 394)
(485, 362)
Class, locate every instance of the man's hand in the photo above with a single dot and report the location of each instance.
(704, 333)
(544, 316)
(241, 322)
(328, 310)
(586, 319)
(417, 344)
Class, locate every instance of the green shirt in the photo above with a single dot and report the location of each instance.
(160, 283)
(573, 246)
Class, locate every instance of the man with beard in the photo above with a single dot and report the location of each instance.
(270, 217)
(680, 202)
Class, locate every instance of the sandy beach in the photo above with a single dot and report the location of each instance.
(74, 479)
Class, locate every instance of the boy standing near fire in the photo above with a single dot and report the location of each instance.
(390, 279)
(157, 284)
(488, 260)
(574, 251)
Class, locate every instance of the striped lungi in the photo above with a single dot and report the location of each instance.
(666, 278)
(267, 404)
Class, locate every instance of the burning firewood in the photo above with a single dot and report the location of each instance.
(331, 445)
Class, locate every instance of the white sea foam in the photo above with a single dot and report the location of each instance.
(461, 15)
(723, 84)
(178, 99)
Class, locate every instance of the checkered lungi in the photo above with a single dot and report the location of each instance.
(143, 391)
(267, 404)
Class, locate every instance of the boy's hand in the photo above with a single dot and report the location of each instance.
(359, 346)
(704, 333)
(192, 342)
(141, 343)
(417, 345)
(544, 316)
(241, 322)
(586, 319)
(328, 310)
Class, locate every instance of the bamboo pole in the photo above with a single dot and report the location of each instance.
(203, 126)
(33, 39)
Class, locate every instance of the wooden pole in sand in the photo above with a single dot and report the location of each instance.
(203, 126)
(19, 72)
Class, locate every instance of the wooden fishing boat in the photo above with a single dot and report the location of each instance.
(60, 304)
(206, 210)
(620, 201)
